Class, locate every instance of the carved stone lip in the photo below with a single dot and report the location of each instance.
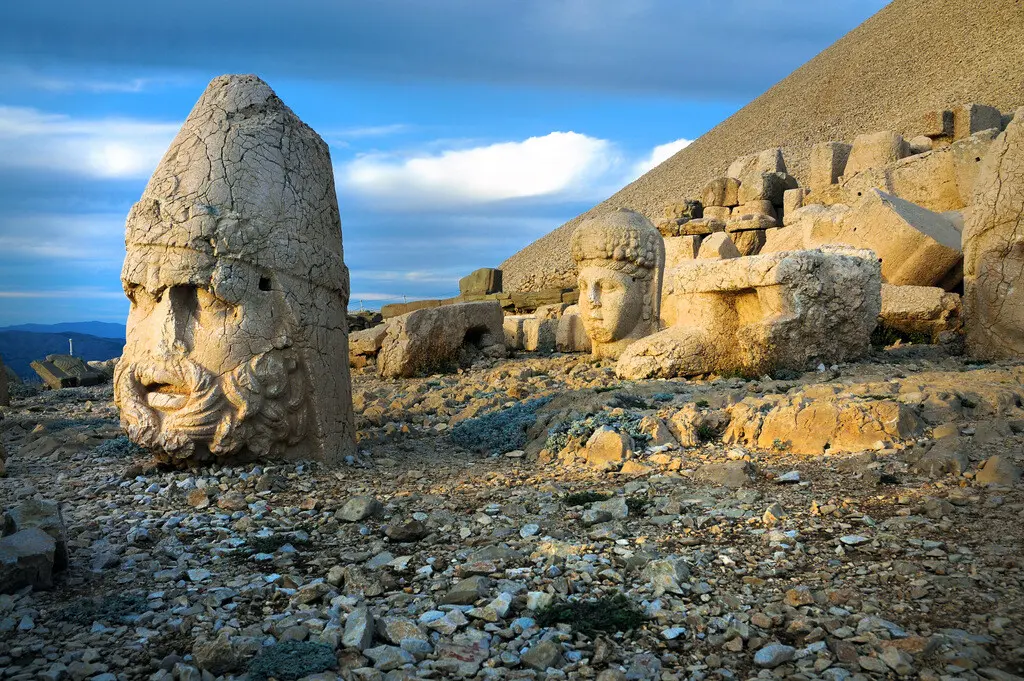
(166, 401)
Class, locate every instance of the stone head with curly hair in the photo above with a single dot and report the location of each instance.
(621, 260)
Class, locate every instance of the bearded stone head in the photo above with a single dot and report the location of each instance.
(621, 260)
(237, 342)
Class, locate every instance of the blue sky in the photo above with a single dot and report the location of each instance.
(460, 130)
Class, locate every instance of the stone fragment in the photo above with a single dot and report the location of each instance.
(875, 150)
(828, 164)
(235, 270)
(65, 371)
(481, 282)
(761, 186)
(386, 658)
(924, 310)
(936, 123)
(365, 345)
(26, 559)
(720, 213)
(46, 516)
(359, 508)
(718, 246)
(767, 161)
(971, 118)
(721, 192)
(920, 144)
(681, 248)
(607, 448)
(620, 256)
(998, 470)
(684, 210)
(792, 200)
(994, 250)
(732, 474)
(467, 591)
(406, 531)
(428, 340)
(945, 457)
(667, 575)
(760, 314)
(749, 241)
(216, 656)
(763, 211)
(571, 335)
(543, 655)
(773, 655)
(702, 227)
(512, 326)
(539, 335)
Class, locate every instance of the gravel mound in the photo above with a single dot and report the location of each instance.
(912, 56)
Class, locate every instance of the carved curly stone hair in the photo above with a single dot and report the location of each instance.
(622, 240)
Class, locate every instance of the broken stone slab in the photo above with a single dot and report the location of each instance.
(702, 227)
(481, 282)
(743, 222)
(430, 339)
(764, 209)
(680, 248)
(875, 150)
(778, 311)
(749, 242)
(607, 448)
(365, 345)
(688, 209)
(971, 118)
(66, 371)
(994, 250)
(916, 246)
(720, 213)
(828, 164)
(46, 516)
(927, 310)
(733, 474)
(512, 326)
(936, 123)
(792, 200)
(26, 559)
(760, 186)
(998, 470)
(718, 246)
(722, 192)
(767, 161)
(539, 334)
(571, 335)
(947, 456)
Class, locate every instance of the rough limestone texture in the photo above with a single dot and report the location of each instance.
(512, 326)
(722, 192)
(994, 250)
(571, 335)
(874, 150)
(767, 161)
(620, 257)
(912, 56)
(539, 334)
(762, 313)
(681, 248)
(237, 341)
(927, 310)
(429, 340)
(916, 246)
(718, 246)
(971, 118)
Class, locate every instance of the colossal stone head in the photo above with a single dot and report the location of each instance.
(621, 260)
(237, 342)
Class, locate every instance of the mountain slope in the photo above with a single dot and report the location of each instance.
(912, 56)
(19, 348)
(98, 329)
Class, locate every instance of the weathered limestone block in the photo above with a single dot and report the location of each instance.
(994, 250)
(792, 200)
(680, 248)
(571, 335)
(875, 150)
(26, 559)
(65, 371)
(718, 246)
(968, 154)
(364, 345)
(688, 209)
(237, 336)
(921, 144)
(749, 241)
(828, 164)
(481, 282)
(720, 192)
(763, 208)
(937, 123)
(971, 118)
(46, 516)
(429, 340)
(750, 221)
(620, 256)
(762, 187)
(815, 219)
(702, 227)
(717, 212)
(916, 246)
(920, 310)
(513, 330)
(767, 161)
(539, 334)
(758, 314)
(815, 426)
(552, 311)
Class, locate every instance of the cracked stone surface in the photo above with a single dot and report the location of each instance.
(237, 341)
(994, 250)
(620, 256)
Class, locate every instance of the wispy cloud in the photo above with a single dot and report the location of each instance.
(659, 155)
(22, 77)
(112, 148)
(73, 237)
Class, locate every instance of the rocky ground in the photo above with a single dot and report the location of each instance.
(623, 555)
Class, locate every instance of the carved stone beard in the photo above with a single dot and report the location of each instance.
(254, 411)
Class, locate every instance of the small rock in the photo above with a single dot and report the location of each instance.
(774, 654)
(543, 655)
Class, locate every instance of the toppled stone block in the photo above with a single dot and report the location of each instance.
(702, 227)
(571, 335)
(66, 371)
(971, 118)
(688, 209)
(749, 241)
(512, 325)
(998, 470)
(744, 222)
(767, 161)
(792, 200)
(732, 474)
(481, 282)
(814, 426)
(762, 187)
(917, 247)
(26, 559)
(828, 164)
(920, 144)
(927, 310)
(937, 123)
(767, 312)
(947, 456)
(46, 516)
(430, 339)
(994, 250)
(364, 345)
(539, 334)
(717, 246)
(875, 150)
(763, 209)
(722, 192)
(720, 213)
(681, 248)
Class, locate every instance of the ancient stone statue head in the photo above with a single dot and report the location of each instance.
(237, 334)
(621, 260)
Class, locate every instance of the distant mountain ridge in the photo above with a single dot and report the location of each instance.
(19, 348)
(98, 329)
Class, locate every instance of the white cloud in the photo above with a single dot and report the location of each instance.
(559, 164)
(112, 148)
(659, 155)
(15, 76)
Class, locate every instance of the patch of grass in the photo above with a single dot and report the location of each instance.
(582, 498)
(702, 404)
(780, 445)
(706, 433)
(967, 403)
(582, 429)
(500, 432)
(884, 336)
(605, 388)
(608, 614)
(663, 397)
(638, 505)
(291, 660)
(116, 609)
